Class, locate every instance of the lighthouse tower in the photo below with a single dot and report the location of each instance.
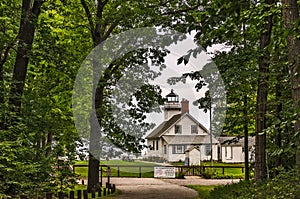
(172, 106)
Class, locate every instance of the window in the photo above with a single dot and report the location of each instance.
(165, 149)
(207, 150)
(194, 129)
(179, 149)
(228, 152)
(178, 129)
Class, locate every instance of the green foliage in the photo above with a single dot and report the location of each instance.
(202, 190)
(285, 185)
(180, 175)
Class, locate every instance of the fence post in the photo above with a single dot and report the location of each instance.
(140, 171)
(104, 192)
(223, 168)
(113, 188)
(93, 194)
(118, 171)
(48, 195)
(72, 195)
(85, 194)
(61, 195)
(99, 192)
(78, 194)
(242, 169)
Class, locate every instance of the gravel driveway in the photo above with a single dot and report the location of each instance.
(151, 188)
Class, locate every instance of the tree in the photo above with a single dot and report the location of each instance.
(10, 11)
(262, 96)
(102, 26)
(245, 28)
(291, 15)
(29, 17)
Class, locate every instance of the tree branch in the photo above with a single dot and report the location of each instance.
(89, 16)
(110, 29)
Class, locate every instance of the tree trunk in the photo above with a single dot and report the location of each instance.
(246, 147)
(30, 13)
(95, 145)
(262, 95)
(278, 140)
(49, 144)
(99, 32)
(2, 108)
(290, 16)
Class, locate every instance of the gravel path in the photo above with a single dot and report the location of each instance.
(151, 188)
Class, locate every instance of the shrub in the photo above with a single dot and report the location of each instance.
(285, 185)
(180, 175)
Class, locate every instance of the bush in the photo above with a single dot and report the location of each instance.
(155, 159)
(208, 174)
(180, 175)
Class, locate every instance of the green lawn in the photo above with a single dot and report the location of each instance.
(131, 169)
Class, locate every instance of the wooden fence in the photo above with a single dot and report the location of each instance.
(81, 194)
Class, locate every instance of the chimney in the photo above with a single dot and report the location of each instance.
(184, 106)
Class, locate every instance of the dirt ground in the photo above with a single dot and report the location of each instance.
(151, 188)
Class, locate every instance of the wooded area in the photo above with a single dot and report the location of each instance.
(43, 44)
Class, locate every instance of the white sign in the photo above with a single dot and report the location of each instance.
(164, 172)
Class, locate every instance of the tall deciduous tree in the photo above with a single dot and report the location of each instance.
(291, 17)
(262, 95)
(29, 16)
(107, 17)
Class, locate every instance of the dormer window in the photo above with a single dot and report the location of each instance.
(194, 129)
(178, 129)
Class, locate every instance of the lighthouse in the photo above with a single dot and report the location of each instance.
(172, 106)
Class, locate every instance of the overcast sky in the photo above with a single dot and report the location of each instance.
(184, 90)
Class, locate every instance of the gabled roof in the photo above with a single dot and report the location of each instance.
(157, 132)
(163, 127)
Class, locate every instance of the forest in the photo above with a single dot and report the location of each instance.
(43, 44)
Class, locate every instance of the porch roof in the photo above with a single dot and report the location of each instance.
(236, 141)
(189, 139)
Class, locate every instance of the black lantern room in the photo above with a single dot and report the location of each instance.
(172, 97)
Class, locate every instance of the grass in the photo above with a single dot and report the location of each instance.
(203, 191)
(131, 170)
